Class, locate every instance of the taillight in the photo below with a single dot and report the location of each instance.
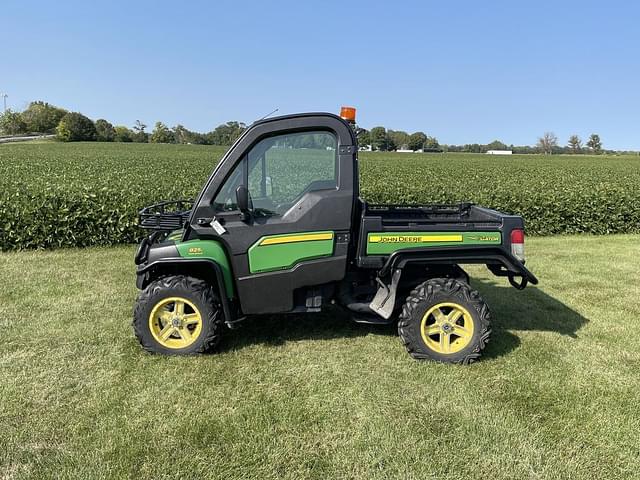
(517, 244)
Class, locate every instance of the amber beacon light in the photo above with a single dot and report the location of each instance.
(348, 113)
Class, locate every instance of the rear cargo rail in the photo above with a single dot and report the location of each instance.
(459, 213)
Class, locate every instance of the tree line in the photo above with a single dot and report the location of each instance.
(42, 117)
(380, 139)
(548, 144)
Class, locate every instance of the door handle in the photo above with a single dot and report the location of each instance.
(207, 221)
(215, 223)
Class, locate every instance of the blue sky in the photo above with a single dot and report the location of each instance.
(463, 71)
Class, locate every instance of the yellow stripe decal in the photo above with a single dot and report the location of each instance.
(414, 238)
(305, 237)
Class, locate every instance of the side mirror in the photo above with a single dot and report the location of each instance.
(242, 198)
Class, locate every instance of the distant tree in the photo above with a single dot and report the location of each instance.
(453, 148)
(575, 144)
(431, 144)
(472, 148)
(75, 127)
(104, 131)
(526, 149)
(226, 133)
(497, 145)
(42, 117)
(417, 140)
(547, 143)
(139, 126)
(390, 143)
(364, 137)
(594, 143)
(399, 139)
(198, 138)
(139, 135)
(161, 134)
(379, 138)
(181, 134)
(11, 123)
(122, 134)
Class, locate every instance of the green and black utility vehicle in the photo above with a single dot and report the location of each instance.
(280, 227)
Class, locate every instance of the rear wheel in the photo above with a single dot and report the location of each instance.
(178, 315)
(445, 320)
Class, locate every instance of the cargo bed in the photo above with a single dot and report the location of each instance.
(462, 231)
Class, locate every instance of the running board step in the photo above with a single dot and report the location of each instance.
(370, 319)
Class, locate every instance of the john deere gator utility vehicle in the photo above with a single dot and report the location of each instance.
(280, 227)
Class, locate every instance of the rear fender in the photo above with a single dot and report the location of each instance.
(498, 260)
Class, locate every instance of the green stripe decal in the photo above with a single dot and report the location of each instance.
(282, 252)
(389, 242)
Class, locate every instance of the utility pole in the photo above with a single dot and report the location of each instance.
(4, 99)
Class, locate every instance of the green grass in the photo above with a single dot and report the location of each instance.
(555, 396)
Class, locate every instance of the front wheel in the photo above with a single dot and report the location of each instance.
(178, 315)
(445, 320)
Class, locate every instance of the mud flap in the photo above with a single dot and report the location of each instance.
(385, 299)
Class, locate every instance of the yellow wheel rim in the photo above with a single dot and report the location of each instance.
(447, 328)
(175, 322)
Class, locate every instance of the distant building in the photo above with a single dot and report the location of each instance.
(404, 150)
(499, 152)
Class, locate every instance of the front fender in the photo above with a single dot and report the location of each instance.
(182, 266)
(157, 256)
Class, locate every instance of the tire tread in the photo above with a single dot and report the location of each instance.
(201, 289)
(448, 287)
